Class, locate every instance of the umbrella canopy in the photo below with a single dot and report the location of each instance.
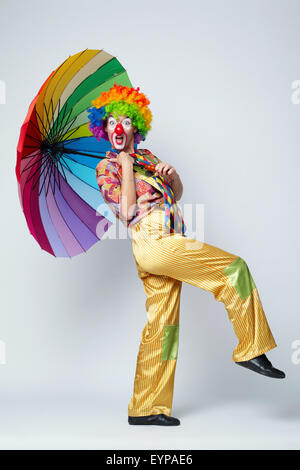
(57, 156)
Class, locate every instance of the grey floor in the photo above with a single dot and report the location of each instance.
(94, 423)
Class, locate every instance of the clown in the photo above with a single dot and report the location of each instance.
(143, 192)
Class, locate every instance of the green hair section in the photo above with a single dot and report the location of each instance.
(121, 108)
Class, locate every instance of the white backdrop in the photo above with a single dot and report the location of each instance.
(219, 76)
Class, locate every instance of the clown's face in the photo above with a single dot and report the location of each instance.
(121, 133)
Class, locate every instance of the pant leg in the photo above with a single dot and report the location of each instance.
(224, 274)
(157, 356)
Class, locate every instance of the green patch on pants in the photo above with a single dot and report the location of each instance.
(170, 342)
(240, 277)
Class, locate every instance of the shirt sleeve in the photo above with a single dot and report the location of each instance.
(109, 184)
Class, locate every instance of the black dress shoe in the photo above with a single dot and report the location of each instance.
(160, 420)
(262, 365)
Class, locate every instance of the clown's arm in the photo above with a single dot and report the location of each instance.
(127, 200)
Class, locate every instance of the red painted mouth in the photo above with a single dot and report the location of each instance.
(119, 140)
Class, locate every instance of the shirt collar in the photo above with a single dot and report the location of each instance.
(112, 153)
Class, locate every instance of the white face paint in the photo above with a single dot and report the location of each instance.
(124, 134)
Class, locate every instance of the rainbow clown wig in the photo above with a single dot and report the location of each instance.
(120, 101)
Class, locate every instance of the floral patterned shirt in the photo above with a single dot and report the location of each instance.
(109, 178)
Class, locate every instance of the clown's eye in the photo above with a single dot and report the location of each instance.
(111, 122)
(127, 122)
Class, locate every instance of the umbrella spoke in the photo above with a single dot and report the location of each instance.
(56, 120)
(52, 114)
(31, 154)
(56, 170)
(47, 116)
(44, 179)
(53, 166)
(50, 174)
(49, 179)
(63, 172)
(46, 133)
(58, 176)
(27, 166)
(38, 130)
(62, 158)
(31, 176)
(75, 161)
(33, 138)
(76, 152)
(65, 129)
(62, 128)
(59, 120)
(74, 130)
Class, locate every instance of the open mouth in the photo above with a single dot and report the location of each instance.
(119, 140)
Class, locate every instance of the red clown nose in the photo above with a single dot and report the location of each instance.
(119, 129)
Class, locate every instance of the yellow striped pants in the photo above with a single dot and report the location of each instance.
(163, 262)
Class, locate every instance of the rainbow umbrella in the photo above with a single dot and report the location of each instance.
(57, 156)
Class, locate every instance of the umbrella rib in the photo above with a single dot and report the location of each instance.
(52, 118)
(33, 138)
(56, 170)
(47, 117)
(54, 173)
(34, 125)
(56, 120)
(74, 130)
(70, 158)
(80, 179)
(55, 180)
(60, 120)
(62, 158)
(68, 150)
(62, 128)
(51, 173)
(65, 130)
(30, 166)
(49, 180)
(44, 180)
(30, 147)
(52, 164)
(31, 176)
(29, 155)
(46, 133)
(63, 171)
(60, 124)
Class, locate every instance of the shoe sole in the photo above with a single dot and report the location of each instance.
(265, 373)
(152, 424)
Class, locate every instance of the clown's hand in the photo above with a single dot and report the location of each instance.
(166, 170)
(122, 158)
